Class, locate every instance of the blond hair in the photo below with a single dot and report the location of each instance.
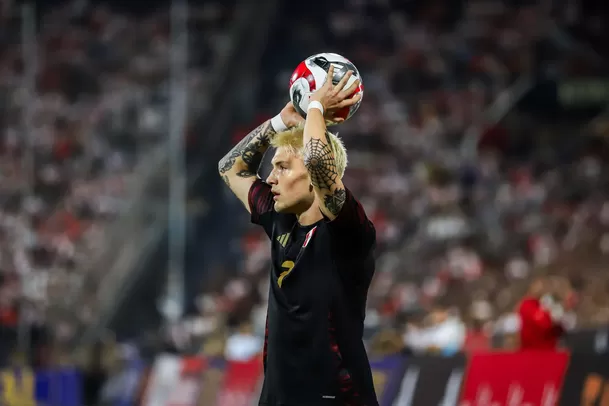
(292, 141)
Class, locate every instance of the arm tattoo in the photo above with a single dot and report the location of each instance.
(319, 160)
(250, 150)
(335, 201)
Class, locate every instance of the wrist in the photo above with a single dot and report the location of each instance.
(278, 123)
(316, 105)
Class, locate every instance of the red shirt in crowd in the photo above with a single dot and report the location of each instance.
(476, 340)
(537, 330)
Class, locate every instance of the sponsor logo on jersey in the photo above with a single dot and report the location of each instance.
(283, 239)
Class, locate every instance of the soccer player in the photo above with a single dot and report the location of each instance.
(322, 254)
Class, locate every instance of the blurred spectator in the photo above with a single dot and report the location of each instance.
(99, 110)
(476, 338)
(541, 315)
(242, 345)
(443, 333)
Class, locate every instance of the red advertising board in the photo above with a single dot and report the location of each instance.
(514, 379)
(241, 382)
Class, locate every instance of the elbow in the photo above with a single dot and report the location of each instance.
(310, 162)
(225, 165)
(222, 171)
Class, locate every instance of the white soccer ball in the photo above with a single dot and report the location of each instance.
(311, 74)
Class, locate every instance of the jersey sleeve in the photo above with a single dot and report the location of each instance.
(351, 229)
(260, 201)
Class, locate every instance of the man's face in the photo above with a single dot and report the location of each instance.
(290, 183)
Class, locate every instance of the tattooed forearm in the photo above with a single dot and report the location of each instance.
(334, 202)
(319, 160)
(247, 155)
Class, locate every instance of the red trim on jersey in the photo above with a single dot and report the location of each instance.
(260, 199)
(265, 348)
(309, 236)
(349, 395)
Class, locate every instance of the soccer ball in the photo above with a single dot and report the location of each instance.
(311, 74)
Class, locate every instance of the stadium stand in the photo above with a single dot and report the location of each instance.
(476, 153)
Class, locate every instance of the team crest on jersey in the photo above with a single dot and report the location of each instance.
(309, 236)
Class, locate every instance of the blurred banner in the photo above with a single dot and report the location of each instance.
(506, 378)
(586, 381)
(241, 383)
(481, 379)
(197, 381)
(24, 387)
(530, 377)
(387, 374)
(432, 380)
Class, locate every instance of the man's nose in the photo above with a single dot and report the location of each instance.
(271, 179)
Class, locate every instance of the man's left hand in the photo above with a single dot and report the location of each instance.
(334, 98)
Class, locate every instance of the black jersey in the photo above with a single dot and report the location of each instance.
(313, 349)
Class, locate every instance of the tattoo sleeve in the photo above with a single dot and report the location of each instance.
(245, 158)
(319, 160)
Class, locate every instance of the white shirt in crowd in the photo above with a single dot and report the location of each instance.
(447, 336)
(242, 347)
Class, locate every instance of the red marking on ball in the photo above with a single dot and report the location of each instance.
(303, 71)
(344, 112)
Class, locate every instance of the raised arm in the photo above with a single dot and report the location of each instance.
(239, 168)
(318, 154)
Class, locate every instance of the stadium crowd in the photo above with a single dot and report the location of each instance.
(468, 208)
(72, 151)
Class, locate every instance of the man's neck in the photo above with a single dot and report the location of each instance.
(311, 216)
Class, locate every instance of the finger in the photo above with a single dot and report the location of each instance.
(331, 119)
(351, 89)
(349, 102)
(329, 77)
(343, 81)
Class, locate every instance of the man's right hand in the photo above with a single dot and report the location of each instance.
(290, 116)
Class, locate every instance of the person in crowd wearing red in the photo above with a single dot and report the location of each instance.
(476, 338)
(541, 316)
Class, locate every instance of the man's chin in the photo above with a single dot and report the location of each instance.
(279, 208)
(282, 208)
